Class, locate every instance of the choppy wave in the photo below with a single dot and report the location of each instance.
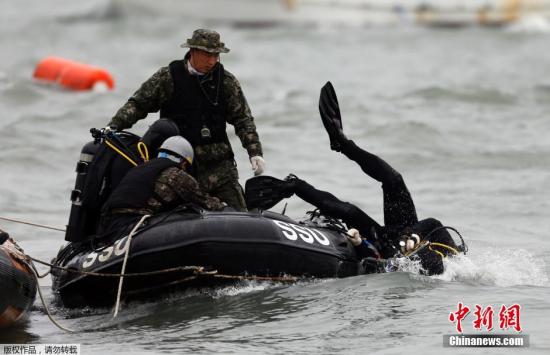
(471, 94)
(241, 288)
(105, 10)
(408, 265)
(492, 266)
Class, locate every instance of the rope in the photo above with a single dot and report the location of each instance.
(112, 146)
(128, 243)
(214, 274)
(32, 224)
(36, 276)
(99, 274)
(199, 270)
(44, 275)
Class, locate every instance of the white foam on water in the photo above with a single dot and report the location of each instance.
(499, 267)
(408, 265)
(241, 288)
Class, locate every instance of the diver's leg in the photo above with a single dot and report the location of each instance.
(398, 204)
(399, 207)
(371, 164)
(334, 207)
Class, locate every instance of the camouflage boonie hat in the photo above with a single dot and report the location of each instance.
(206, 40)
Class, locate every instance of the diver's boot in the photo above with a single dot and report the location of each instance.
(333, 133)
(331, 118)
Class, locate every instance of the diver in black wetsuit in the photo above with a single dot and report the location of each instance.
(401, 231)
(400, 219)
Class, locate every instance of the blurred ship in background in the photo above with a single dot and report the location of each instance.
(266, 13)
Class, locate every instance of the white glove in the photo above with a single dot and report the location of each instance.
(410, 243)
(107, 129)
(258, 165)
(354, 237)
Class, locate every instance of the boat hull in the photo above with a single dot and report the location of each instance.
(232, 243)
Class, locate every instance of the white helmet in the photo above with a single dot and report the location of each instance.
(177, 148)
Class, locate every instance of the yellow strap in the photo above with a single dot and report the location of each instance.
(445, 246)
(437, 251)
(422, 243)
(120, 152)
(143, 151)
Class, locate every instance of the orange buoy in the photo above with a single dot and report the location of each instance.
(72, 75)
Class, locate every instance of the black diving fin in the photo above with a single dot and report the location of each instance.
(330, 115)
(264, 192)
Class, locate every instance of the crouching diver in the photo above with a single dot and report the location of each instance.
(156, 186)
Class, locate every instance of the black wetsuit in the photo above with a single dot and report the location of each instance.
(399, 212)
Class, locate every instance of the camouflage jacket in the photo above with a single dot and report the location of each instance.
(175, 184)
(176, 187)
(158, 89)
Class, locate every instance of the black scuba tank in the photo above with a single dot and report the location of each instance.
(78, 220)
(98, 173)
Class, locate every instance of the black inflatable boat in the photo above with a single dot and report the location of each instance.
(263, 244)
(169, 247)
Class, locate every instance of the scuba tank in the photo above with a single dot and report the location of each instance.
(98, 172)
(78, 221)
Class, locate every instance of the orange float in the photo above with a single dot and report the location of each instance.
(72, 75)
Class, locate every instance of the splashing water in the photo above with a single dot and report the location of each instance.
(508, 267)
(412, 266)
(244, 287)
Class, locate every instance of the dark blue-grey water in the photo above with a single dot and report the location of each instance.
(462, 114)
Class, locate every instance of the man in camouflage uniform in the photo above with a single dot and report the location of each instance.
(158, 185)
(200, 96)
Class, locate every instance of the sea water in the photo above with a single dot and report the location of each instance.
(463, 114)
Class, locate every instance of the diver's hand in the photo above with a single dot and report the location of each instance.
(258, 165)
(354, 237)
(409, 243)
(108, 129)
